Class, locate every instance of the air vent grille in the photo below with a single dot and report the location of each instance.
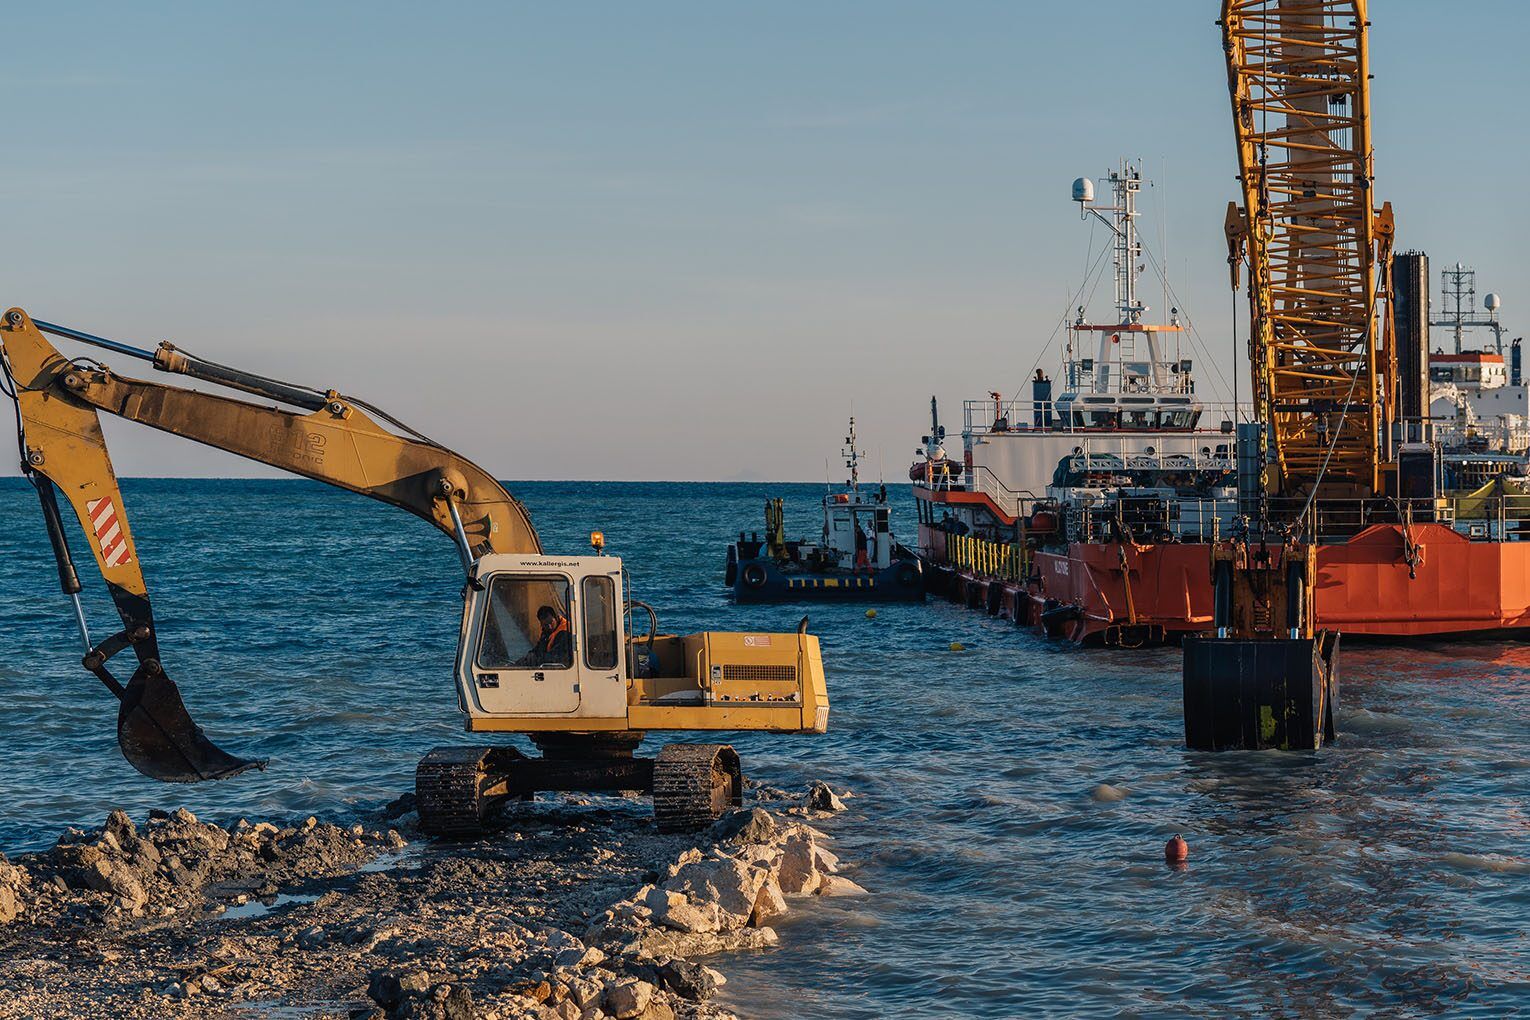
(760, 674)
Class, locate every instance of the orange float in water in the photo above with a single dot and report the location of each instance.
(1176, 850)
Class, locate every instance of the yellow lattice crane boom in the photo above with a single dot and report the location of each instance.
(1316, 246)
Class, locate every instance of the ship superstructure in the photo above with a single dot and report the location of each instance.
(1478, 400)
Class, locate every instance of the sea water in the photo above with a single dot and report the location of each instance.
(1389, 873)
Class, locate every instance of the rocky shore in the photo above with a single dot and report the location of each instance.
(570, 909)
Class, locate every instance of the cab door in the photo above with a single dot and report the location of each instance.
(603, 678)
(525, 656)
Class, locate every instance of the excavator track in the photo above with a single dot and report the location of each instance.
(694, 784)
(451, 789)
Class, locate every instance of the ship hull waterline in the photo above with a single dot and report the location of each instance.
(1130, 594)
(763, 581)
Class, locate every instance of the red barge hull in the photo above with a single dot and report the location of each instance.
(1128, 594)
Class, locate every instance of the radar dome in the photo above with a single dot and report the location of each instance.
(1492, 302)
(1083, 190)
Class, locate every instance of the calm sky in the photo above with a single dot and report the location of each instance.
(670, 240)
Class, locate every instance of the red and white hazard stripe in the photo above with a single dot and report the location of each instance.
(103, 520)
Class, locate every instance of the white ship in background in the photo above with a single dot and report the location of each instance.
(1128, 419)
(1478, 400)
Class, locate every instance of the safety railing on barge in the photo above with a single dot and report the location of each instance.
(1503, 517)
(978, 479)
(1004, 561)
(1151, 519)
(1014, 504)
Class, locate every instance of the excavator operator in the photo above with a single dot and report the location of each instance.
(554, 647)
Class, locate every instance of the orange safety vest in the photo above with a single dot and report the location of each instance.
(560, 628)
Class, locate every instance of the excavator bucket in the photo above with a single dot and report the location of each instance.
(159, 739)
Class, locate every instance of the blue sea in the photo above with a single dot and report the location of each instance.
(1388, 875)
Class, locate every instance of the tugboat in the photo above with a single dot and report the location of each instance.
(857, 559)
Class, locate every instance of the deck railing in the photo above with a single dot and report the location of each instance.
(1005, 561)
(984, 417)
(982, 479)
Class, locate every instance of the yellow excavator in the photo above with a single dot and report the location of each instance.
(547, 645)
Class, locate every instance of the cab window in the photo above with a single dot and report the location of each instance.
(526, 624)
(598, 597)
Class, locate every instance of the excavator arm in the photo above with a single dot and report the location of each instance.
(331, 438)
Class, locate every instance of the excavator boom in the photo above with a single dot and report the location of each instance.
(332, 439)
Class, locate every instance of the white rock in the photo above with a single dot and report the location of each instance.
(768, 906)
(675, 910)
(628, 998)
(838, 885)
(578, 956)
(583, 992)
(821, 798)
(730, 884)
(798, 873)
(691, 856)
(767, 855)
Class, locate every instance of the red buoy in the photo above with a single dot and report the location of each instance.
(1176, 850)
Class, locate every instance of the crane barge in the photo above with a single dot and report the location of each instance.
(1341, 447)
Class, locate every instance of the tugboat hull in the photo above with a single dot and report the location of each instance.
(763, 580)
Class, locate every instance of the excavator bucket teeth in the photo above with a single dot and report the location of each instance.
(159, 739)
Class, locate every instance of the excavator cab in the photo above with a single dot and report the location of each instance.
(540, 637)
